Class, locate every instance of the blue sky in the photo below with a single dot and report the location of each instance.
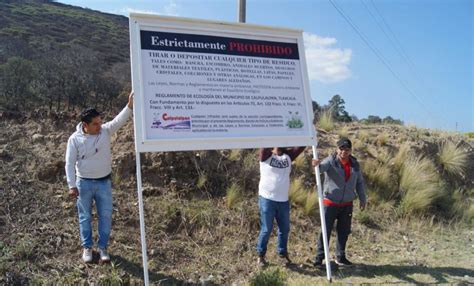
(423, 73)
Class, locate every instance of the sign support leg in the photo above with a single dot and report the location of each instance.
(323, 219)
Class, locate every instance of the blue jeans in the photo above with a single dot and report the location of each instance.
(270, 210)
(99, 191)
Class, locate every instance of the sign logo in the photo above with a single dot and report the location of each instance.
(171, 122)
(294, 120)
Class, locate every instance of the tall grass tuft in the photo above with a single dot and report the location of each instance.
(379, 176)
(250, 163)
(202, 180)
(234, 195)
(326, 122)
(453, 159)
(418, 173)
(363, 135)
(235, 154)
(382, 139)
(299, 162)
(419, 185)
(401, 156)
(271, 277)
(343, 132)
(297, 194)
(384, 156)
(311, 203)
(469, 214)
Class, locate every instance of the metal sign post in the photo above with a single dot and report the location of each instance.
(323, 219)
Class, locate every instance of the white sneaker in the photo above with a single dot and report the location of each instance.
(87, 255)
(104, 255)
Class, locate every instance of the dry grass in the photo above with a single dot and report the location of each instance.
(250, 163)
(363, 135)
(453, 159)
(235, 154)
(311, 203)
(202, 180)
(379, 175)
(401, 156)
(419, 185)
(300, 162)
(382, 139)
(343, 132)
(384, 156)
(469, 214)
(297, 194)
(326, 122)
(234, 195)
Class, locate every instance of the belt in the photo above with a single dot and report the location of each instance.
(97, 179)
(328, 202)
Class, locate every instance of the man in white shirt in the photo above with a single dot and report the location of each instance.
(88, 170)
(273, 188)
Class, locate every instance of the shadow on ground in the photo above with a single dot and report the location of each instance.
(403, 273)
(137, 271)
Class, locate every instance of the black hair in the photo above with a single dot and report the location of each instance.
(89, 114)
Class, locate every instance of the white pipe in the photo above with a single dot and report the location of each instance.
(321, 212)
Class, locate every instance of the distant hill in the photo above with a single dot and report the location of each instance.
(59, 57)
(29, 28)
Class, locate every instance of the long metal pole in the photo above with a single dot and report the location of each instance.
(242, 12)
(323, 219)
(142, 219)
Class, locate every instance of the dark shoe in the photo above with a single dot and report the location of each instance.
(343, 261)
(261, 262)
(285, 259)
(318, 263)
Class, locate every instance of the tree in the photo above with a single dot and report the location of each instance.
(16, 77)
(336, 105)
(390, 120)
(373, 119)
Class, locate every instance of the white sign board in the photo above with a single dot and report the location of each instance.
(210, 85)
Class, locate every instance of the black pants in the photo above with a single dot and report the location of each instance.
(343, 215)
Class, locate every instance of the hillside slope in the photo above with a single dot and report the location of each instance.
(194, 235)
(29, 28)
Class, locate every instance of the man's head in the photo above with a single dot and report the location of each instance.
(91, 121)
(344, 148)
(278, 150)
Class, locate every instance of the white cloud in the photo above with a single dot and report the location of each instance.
(170, 9)
(326, 63)
(128, 10)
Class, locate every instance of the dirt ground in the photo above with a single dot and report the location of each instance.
(193, 237)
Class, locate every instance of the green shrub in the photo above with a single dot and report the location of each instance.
(366, 218)
(271, 277)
